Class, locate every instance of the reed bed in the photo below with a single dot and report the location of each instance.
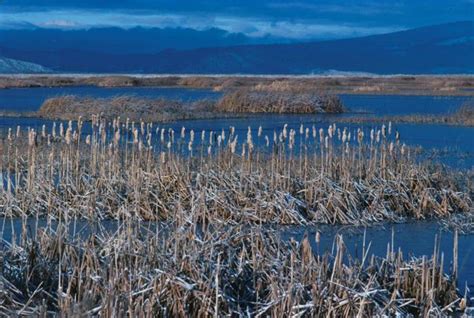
(187, 271)
(309, 175)
(257, 101)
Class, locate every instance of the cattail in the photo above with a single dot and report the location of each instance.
(53, 132)
(135, 136)
(384, 133)
(275, 137)
(203, 136)
(162, 136)
(183, 132)
(317, 237)
(232, 130)
(291, 141)
(301, 129)
(210, 138)
(338, 134)
(249, 138)
(326, 142)
(163, 157)
(391, 147)
(9, 134)
(61, 130)
(389, 127)
(378, 136)
(168, 145)
(117, 137)
(267, 141)
(209, 150)
(321, 135)
(314, 132)
(190, 146)
(142, 128)
(259, 134)
(285, 133)
(372, 134)
(344, 135)
(360, 136)
(43, 131)
(88, 140)
(31, 137)
(219, 141)
(223, 135)
(68, 136)
(330, 132)
(233, 145)
(403, 149)
(18, 131)
(307, 133)
(397, 136)
(191, 136)
(243, 150)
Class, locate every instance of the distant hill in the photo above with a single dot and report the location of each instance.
(114, 40)
(12, 66)
(439, 49)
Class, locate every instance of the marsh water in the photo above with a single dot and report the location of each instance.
(450, 145)
(415, 239)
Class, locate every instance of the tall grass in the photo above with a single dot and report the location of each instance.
(314, 175)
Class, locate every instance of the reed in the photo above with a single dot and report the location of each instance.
(212, 251)
(178, 269)
(120, 169)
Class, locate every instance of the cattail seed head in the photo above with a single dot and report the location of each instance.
(259, 131)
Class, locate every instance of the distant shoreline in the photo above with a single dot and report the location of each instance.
(437, 85)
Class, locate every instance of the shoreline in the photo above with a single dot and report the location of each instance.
(436, 85)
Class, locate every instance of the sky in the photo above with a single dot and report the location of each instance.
(295, 20)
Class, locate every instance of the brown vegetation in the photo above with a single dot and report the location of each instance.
(213, 255)
(246, 101)
(160, 110)
(413, 85)
(136, 109)
(188, 271)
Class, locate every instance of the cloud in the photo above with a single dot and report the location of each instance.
(250, 26)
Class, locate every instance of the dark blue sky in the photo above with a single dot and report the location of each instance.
(256, 18)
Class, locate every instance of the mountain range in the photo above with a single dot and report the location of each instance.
(438, 49)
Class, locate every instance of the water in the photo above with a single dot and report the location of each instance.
(30, 99)
(402, 104)
(415, 239)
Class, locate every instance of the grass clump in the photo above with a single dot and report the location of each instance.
(254, 101)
